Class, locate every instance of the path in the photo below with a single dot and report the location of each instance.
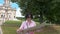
(0, 27)
(1, 30)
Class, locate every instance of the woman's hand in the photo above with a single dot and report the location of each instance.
(19, 30)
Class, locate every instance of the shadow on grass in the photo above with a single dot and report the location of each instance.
(48, 30)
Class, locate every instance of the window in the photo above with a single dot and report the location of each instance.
(14, 16)
(9, 15)
(2, 16)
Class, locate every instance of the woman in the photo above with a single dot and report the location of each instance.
(27, 24)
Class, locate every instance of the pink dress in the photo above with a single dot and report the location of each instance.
(26, 25)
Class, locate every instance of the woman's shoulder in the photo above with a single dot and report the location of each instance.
(24, 22)
(33, 21)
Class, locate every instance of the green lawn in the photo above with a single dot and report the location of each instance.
(49, 30)
(10, 28)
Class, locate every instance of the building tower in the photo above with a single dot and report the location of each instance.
(7, 5)
(7, 2)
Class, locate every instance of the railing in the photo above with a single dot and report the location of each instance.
(34, 29)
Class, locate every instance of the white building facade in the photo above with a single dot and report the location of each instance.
(7, 12)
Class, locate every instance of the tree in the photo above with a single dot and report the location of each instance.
(49, 9)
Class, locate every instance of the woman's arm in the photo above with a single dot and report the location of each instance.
(21, 28)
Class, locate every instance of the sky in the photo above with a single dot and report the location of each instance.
(13, 5)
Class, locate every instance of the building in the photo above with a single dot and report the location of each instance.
(7, 12)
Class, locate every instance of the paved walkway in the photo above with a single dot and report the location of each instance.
(1, 30)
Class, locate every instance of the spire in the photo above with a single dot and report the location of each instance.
(7, 2)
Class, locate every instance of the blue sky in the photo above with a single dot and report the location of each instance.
(1, 1)
(13, 5)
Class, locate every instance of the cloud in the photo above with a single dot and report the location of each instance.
(18, 13)
(1, 4)
(14, 5)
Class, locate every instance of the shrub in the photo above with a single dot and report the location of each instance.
(12, 23)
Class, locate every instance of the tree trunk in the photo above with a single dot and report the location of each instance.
(41, 17)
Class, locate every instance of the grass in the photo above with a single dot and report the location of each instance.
(12, 26)
(49, 30)
(9, 30)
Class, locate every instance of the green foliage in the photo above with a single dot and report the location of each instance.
(12, 23)
(49, 9)
(20, 18)
(36, 20)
